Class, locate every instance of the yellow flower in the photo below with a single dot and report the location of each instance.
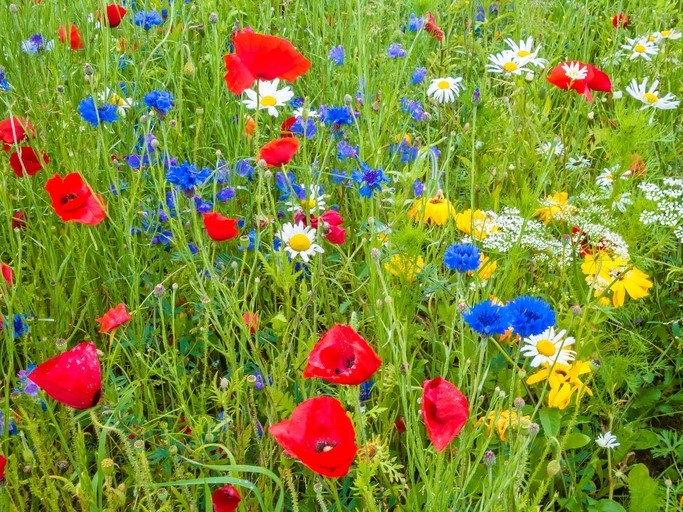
(437, 210)
(563, 382)
(503, 421)
(555, 206)
(405, 267)
(477, 223)
(613, 274)
(486, 267)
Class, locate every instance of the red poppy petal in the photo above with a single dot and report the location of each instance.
(600, 80)
(279, 152)
(113, 318)
(445, 411)
(115, 14)
(73, 378)
(238, 78)
(26, 161)
(220, 228)
(268, 57)
(225, 499)
(7, 273)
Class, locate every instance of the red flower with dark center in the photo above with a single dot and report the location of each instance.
(286, 127)
(18, 220)
(331, 224)
(279, 152)
(73, 200)
(320, 435)
(113, 318)
(220, 228)
(225, 499)
(342, 356)
(432, 28)
(444, 411)
(581, 77)
(620, 20)
(73, 378)
(7, 273)
(262, 57)
(75, 41)
(115, 14)
(13, 130)
(26, 161)
(3, 464)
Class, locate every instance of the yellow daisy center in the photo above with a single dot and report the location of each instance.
(268, 101)
(639, 48)
(665, 33)
(117, 100)
(651, 97)
(443, 84)
(300, 242)
(546, 348)
(651, 39)
(308, 203)
(510, 67)
(523, 53)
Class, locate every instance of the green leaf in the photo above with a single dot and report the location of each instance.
(576, 440)
(644, 489)
(606, 506)
(550, 420)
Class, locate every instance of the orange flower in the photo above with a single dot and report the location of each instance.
(113, 318)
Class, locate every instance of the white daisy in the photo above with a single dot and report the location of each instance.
(525, 50)
(575, 70)
(577, 163)
(549, 348)
(305, 113)
(507, 63)
(299, 240)
(122, 104)
(607, 440)
(670, 33)
(650, 97)
(314, 201)
(641, 47)
(622, 202)
(268, 97)
(606, 178)
(553, 147)
(445, 90)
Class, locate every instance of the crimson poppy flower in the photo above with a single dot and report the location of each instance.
(3, 464)
(286, 127)
(331, 224)
(75, 41)
(320, 435)
(218, 227)
(432, 28)
(115, 14)
(18, 220)
(73, 200)
(581, 77)
(25, 159)
(225, 499)
(7, 273)
(73, 378)
(279, 152)
(113, 318)
(620, 20)
(13, 130)
(251, 321)
(444, 410)
(262, 57)
(342, 356)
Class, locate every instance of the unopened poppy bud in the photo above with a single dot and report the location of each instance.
(174, 286)
(60, 343)
(213, 18)
(553, 467)
(162, 494)
(107, 466)
(139, 445)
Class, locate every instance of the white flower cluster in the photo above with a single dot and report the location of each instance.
(668, 201)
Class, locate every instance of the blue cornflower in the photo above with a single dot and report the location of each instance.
(462, 257)
(19, 324)
(336, 116)
(161, 101)
(339, 176)
(487, 318)
(366, 390)
(29, 387)
(244, 168)
(186, 176)
(164, 238)
(476, 96)
(147, 19)
(419, 74)
(415, 23)
(309, 131)
(95, 115)
(336, 55)
(418, 188)
(414, 108)
(369, 179)
(36, 43)
(346, 150)
(297, 102)
(225, 194)
(480, 16)
(286, 184)
(193, 248)
(530, 316)
(407, 153)
(202, 206)
(396, 51)
(260, 382)
(4, 84)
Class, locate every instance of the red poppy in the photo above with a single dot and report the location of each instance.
(286, 127)
(225, 499)
(262, 57)
(13, 130)
(444, 411)
(581, 77)
(73, 378)
(75, 41)
(279, 152)
(331, 224)
(320, 435)
(3, 464)
(25, 159)
(432, 28)
(7, 273)
(220, 228)
(115, 14)
(73, 200)
(18, 220)
(113, 318)
(342, 356)
(400, 425)
(620, 20)
(251, 321)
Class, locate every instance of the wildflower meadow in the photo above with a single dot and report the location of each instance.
(341, 255)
